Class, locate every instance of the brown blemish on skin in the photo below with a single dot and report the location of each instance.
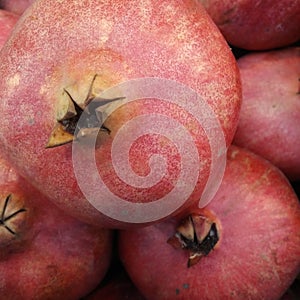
(227, 16)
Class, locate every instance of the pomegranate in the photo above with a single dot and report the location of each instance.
(44, 253)
(7, 23)
(256, 25)
(157, 88)
(15, 6)
(270, 114)
(245, 244)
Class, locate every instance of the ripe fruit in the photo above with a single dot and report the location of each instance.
(15, 6)
(257, 252)
(256, 25)
(269, 121)
(93, 46)
(7, 23)
(44, 253)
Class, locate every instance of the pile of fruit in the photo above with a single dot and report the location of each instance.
(149, 149)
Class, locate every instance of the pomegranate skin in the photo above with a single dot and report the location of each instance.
(16, 6)
(119, 41)
(44, 253)
(270, 113)
(258, 253)
(7, 22)
(256, 25)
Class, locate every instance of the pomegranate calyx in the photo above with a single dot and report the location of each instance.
(6, 218)
(197, 234)
(69, 112)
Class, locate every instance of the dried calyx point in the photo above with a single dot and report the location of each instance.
(91, 113)
(197, 234)
(9, 215)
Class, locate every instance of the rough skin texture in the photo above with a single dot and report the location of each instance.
(257, 256)
(15, 6)
(63, 44)
(50, 255)
(7, 23)
(270, 114)
(256, 25)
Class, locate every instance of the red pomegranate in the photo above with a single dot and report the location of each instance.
(245, 244)
(44, 253)
(160, 75)
(270, 113)
(7, 23)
